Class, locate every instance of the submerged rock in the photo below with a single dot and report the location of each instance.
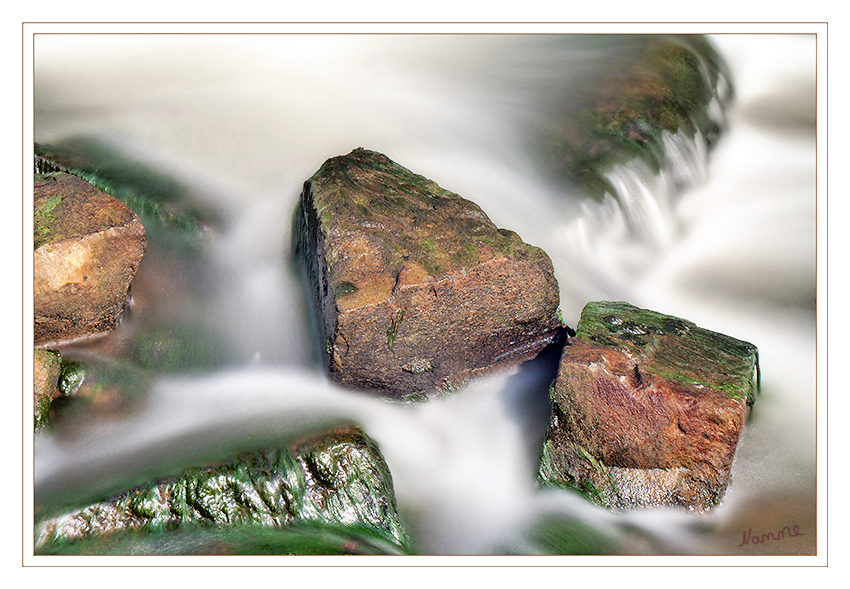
(678, 84)
(415, 288)
(96, 389)
(88, 246)
(338, 480)
(647, 409)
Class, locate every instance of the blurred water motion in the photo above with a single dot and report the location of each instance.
(242, 121)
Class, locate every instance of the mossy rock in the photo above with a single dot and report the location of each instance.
(331, 486)
(678, 84)
(47, 367)
(414, 288)
(647, 409)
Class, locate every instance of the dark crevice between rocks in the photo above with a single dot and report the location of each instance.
(527, 392)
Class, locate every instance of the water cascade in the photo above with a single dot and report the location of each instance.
(725, 240)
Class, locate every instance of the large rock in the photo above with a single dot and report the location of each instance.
(647, 409)
(337, 478)
(415, 288)
(88, 246)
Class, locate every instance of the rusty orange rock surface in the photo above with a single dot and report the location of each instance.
(88, 247)
(647, 409)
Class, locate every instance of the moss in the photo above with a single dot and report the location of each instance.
(47, 366)
(334, 482)
(668, 89)
(417, 220)
(43, 218)
(72, 376)
(344, 288)
(675, 348)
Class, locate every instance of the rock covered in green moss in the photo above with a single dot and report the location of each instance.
(415, 288)
(337, 480)
(47, 366)
(88, 246)
(677, 85)
(647, 409)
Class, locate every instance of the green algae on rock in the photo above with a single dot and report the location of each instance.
(88, 246)
(678, 85)
(305, 538)
(414, 287)
(337, 480)
(47, 367)
(674, 348)
(647, 409)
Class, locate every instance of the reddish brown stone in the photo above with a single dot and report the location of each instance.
(632, 425)
(416, 289)
(88, 246)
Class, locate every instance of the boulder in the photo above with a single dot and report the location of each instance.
(415, 289)
(338, 479)
(47, 366)
(88, 246)
(647, 409)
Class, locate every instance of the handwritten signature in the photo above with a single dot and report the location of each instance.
(787, 531)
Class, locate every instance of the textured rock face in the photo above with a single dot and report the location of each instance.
(88, 246)
(647, 409)
(415, 288)
(338, 478)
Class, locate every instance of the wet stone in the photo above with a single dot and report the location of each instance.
(647, 409)
(88, 246)
(414, 287)
(337, 478)
(47, 367)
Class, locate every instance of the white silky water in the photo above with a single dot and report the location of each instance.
(242, 120)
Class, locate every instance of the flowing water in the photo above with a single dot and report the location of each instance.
(727, 242)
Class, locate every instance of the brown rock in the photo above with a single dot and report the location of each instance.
(415, 288)
(88, 246)
(647, 409)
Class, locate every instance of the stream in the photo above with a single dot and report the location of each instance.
(726, 241)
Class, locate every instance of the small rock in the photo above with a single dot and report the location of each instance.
(88, 246)
(47, 366)
(415, 288)
(647, 409)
